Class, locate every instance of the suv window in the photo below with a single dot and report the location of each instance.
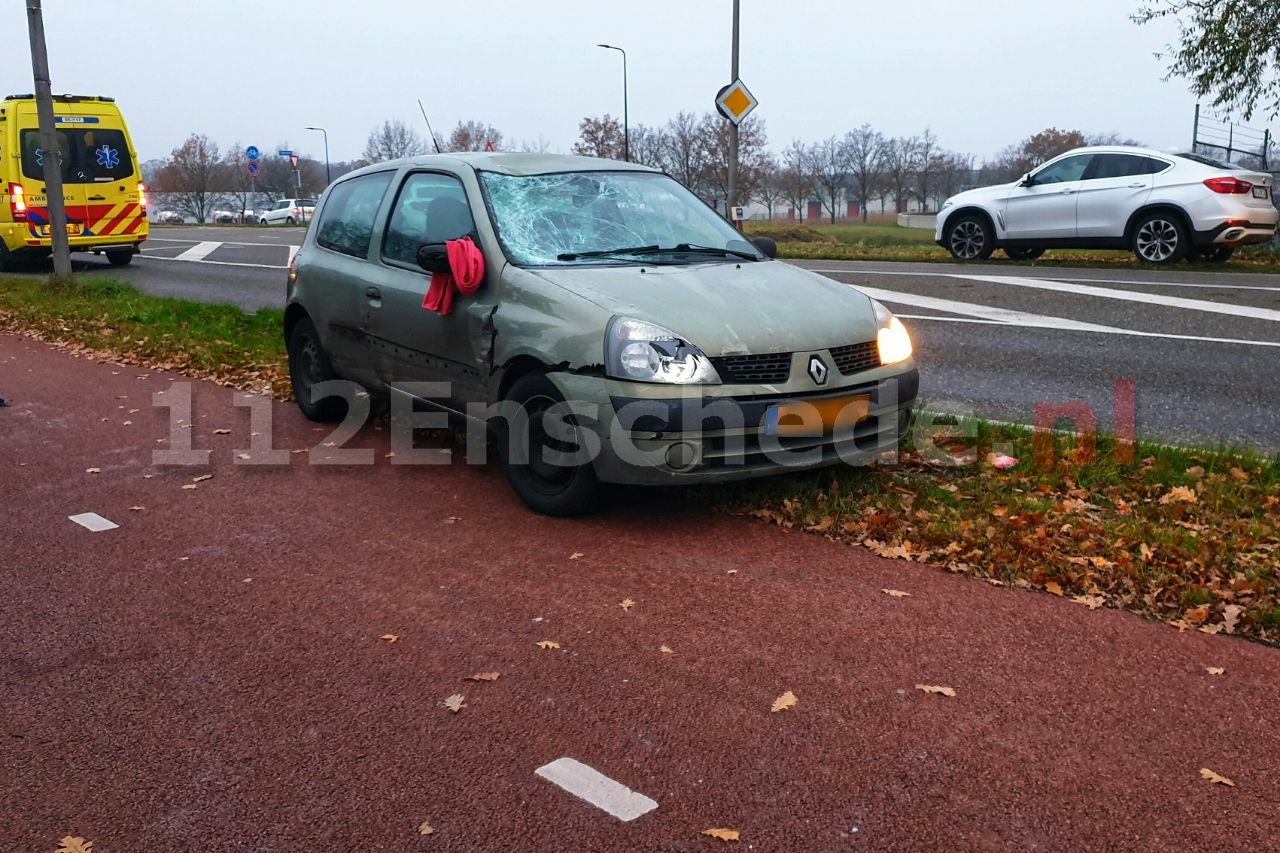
(346, 224)
(1121, 166)
(431, 208)
(1070, 169)
(88, 156)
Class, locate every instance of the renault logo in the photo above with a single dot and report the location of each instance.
(817, 370)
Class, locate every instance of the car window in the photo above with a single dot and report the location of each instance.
(346, 223)
(1154, 166)
(431, 208)
(87, 156)
(1069, 169)
(1119, 166)
(306, 202)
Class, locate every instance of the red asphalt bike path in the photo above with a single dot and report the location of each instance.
(242, 699)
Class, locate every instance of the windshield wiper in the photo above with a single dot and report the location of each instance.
(678, 249)
(690, 249)
(604, 253)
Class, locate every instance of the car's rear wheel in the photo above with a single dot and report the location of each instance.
(1160, 238)
(551, 486)
(7, 263)
(308, 367)
(969, 238)
(288, 221)
(120, 259)
(1023, 254)
(262, 221)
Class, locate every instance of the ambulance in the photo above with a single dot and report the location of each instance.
(106, 200)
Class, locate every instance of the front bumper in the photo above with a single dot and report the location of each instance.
(697, 438)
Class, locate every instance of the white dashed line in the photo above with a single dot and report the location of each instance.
(596, 788)
(92, 521)
(198, 252)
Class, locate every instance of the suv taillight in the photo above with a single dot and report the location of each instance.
(18, 202)
(142, 196)
(1228, 186)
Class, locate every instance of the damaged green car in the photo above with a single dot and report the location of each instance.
(594, 319)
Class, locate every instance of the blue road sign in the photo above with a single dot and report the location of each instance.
(254, 167)
(284, 152)
(252, 153)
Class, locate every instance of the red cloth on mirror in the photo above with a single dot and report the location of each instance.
(467, 265)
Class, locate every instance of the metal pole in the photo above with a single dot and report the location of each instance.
(328, 178)
(732, 193)
(626, 124)
(1195, 130)
(55, 200)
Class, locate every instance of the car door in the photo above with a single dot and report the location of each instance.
(1044, 207)
(417, 344)
(1114, 187)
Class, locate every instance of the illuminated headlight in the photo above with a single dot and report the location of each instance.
(891, 336)
(643, 352)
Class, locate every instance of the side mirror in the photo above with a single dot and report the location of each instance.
(767, 245)
(433, 257)
(1026, 181)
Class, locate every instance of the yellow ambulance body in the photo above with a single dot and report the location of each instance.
(105, 197)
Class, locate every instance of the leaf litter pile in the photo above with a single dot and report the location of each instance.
(1188, 537)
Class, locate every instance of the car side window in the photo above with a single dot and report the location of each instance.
(1070, 169)
(346, 224)
(1119, 166)
(431, 208)
(1154, 166)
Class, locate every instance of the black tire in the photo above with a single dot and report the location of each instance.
(544, 487)
(1023, 254)
(262, 221)
(970, 238)
(1218, 256)
(308, 366)
(7, 263)
(1160, 238)
(120, 259)
(289, 221)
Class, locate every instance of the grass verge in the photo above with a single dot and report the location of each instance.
(1190, 537)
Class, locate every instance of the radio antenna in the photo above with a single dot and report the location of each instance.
(434, 141)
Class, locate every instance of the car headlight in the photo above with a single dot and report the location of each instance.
(891, 336)
(642, 352)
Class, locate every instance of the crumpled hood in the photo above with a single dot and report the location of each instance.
(727, 308)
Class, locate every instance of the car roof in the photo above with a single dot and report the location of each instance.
(513, 163)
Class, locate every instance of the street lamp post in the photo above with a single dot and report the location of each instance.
(328, 178)
(626, 129)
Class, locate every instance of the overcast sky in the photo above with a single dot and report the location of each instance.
(982, 74)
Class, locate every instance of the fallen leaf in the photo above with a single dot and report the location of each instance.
(1215, 670)
(136, 508)
(548, 644)
(222, 432)
(1239, 475)
(244, 456)
(1213, 778)
(388, 456)
(666, 650)
(1196, 615)
(1179, 494)
(93, 470)
(942, 691)
(731, 572)
(483, 676)
(626, 604)
(1093, 602)
(390, 638)
(1146, 551)
(576, 556)
(896, 593)
(1195, 472)
(425, 829)
(784, 702)
(454, 703)
(331, 444)
(1231, 617)
(1053, 587)
(722, 834)
(453, 519)
(202, 478)
(74, 844)
(189, 486)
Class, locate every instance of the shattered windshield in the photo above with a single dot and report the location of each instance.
(597, 217)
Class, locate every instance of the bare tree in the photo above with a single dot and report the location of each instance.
(797, 176)
(769, 188)
(394, 139)
(954, 174)
(753, 142)
(600, 137)
(865, 149)
(194, 177)
(899, 159)
(686, 151)
(473, 136)
(1112, 138)
(649, 146)
(829, 163)
(925, 160)
(541, 145)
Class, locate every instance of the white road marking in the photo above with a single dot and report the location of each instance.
(986, 312)
(198, 252)
(226, 242)
(92, 521)
(221, 263)
(1168, 283)
(596, 788)
(1106, 330)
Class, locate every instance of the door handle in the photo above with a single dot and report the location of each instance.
(1137, 186)
(373, 293)
(97, 198)
(1067, 192)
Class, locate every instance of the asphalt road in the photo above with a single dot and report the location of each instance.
(256, 660)
(992, 340)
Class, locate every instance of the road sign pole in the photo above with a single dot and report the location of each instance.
(733, 127)
(55, 200)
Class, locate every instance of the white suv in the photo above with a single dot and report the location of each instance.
(1164, 207)
(289, 211)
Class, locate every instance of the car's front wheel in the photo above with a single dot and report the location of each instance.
(543, 455)
(308, 367)
(1160, 238)
(1023, 254)
(970, 238)
(119, 259)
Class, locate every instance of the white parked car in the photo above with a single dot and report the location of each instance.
(290, 211)
(1163, 207)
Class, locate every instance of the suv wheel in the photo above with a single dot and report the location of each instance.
(309, 366)
(543, 484)
(1023, 254)
(1160, 238)
(969, 238)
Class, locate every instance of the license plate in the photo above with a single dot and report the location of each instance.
(1261, 192)
(74, 229)
(815, 417)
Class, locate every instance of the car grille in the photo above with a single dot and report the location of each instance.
(753, 369)
(856, 357)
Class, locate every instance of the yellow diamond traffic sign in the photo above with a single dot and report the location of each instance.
(735, 102)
